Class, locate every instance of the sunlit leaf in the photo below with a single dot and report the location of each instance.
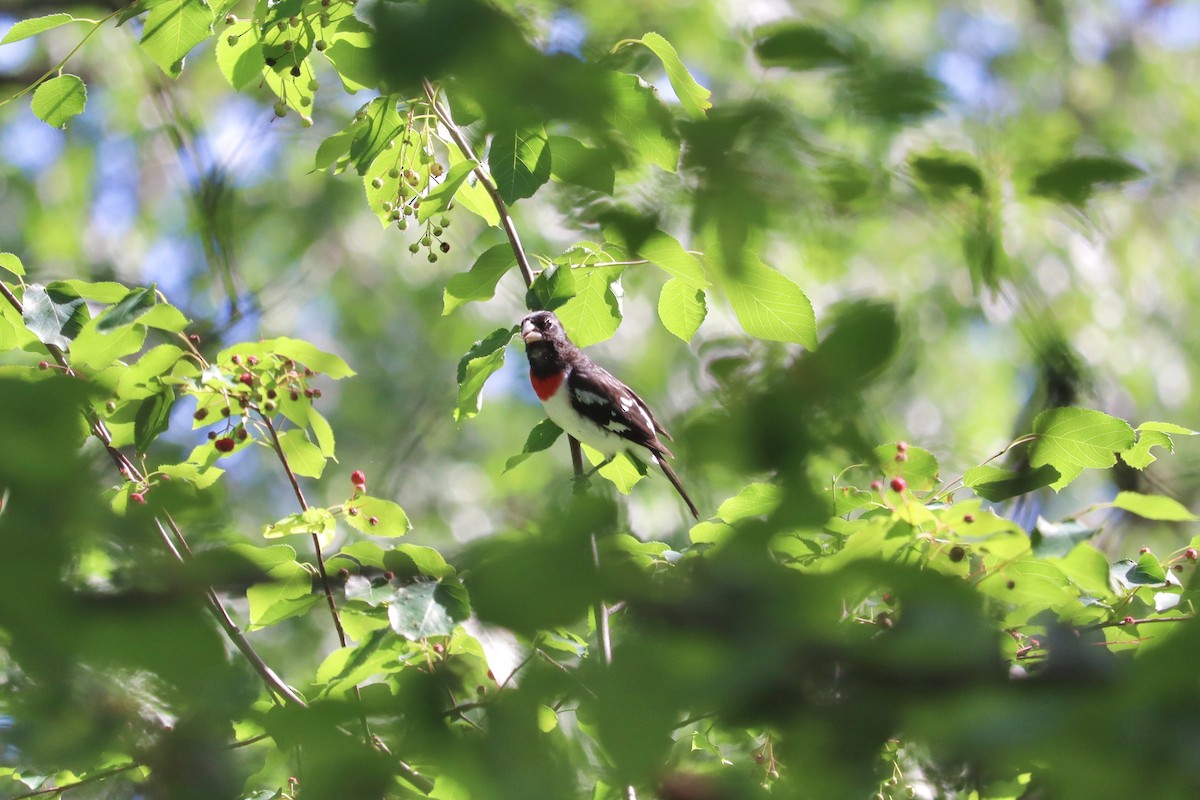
(519, 161)
(54, 313)
(32, 27)
(681, 308)
(1073, 439)
(376, 516)
(427, 609)
(304, 457)
(769, 305)
(692, 96)
(172, 29)
(479, 283)
(1154, 507)
(540, 438)
(593, 314)
(57, 100)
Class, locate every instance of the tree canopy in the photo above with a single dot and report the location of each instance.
(282, 518)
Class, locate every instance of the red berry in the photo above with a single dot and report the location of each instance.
(877, 486)
(43, 365)
(242, 434)
(252, 360)
(1143, 550)
(295, 395)
(224, 445)
(1127, 621)
(438, 647)
(389, 575)
(1010, 585)
(138, 498)
(957, 553)
(898, 484)
(968, 518)
(1190, 554)
(212, 435)
(359, 478)
(343, 573)
(272, 394)
(193, 338)
(352, 511)
(901, 446)
(235, 358)
(902, 456)
(373, 520)
(246, 378)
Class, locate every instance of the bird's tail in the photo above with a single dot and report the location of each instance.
(674, 479)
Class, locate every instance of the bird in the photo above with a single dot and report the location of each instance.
(588, 402)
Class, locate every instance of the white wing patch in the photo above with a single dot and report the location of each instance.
(590, 398)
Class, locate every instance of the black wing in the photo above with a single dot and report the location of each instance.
(613, 406)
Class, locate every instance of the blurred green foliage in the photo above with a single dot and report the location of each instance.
(895, 275)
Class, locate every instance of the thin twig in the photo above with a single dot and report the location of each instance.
(485, 180)
(270, 678)
(117, 770)
(599, 610)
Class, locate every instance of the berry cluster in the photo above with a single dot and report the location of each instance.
(246, 385)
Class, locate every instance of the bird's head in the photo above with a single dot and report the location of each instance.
(542, 326)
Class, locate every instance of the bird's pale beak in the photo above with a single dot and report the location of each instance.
(529, 333)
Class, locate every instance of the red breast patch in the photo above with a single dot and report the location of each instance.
(547, 386)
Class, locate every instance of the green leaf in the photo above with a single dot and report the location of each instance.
(132, 306)
(54, 313)
(475, 367)
(681, 308)
(755, 500)
(172, 29)
(942, 174)
(1074, 439)
(1151, 435)
(519, 161)
(996, 484)
(540, 438)
(333, 148)
(10, 262)
(472, 196)
(478, 283)
(552, 287)
(377, 517)
(322, 431)
(410, 560)
(1155, 507)
(438, 199)
(93, 350)
(304, 457)
(594, 313)
(298, 350)
(639, 115)
(427, 609)
(1051, 540)
(798, 46)
(58, 99)
(1146, 571)
(317, 521)
(623, 472)
(692, 96)
(349, 51)
(381, 124)
(32, 27)
(98, 291)
(769, 305)
(892, 93)
(164, 317)
(239, 53)
(152, 417)
(571, 161)
(916, 465)
(288, 594)
(666, 253)
(1074, 180)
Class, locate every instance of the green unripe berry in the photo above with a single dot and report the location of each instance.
(393, 173)
(313, 85)
(432, 257)
(306, 101)
(294, 22)
(231, 19)
(287, 44)
(414, 248)
(280, 109)
(320, 44)
(444, 222)
(436, 169)
(231, 40)
(402, 224)
(437, 231)
(426, 241)
(377, 183)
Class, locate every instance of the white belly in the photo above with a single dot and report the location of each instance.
(558, 409)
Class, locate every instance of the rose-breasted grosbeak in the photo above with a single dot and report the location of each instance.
(589, 403)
